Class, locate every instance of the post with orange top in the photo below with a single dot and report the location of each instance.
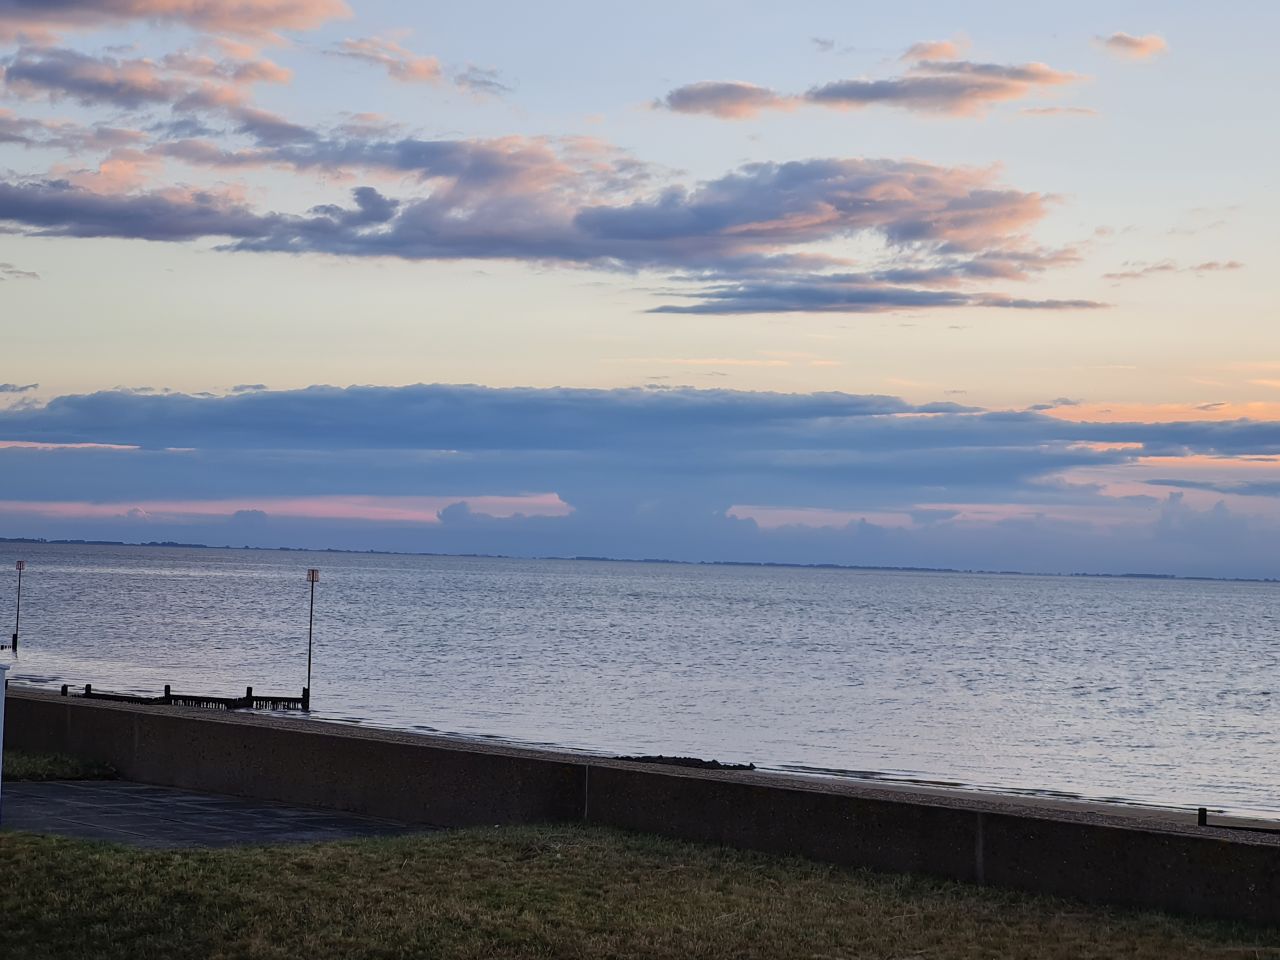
(313, 577)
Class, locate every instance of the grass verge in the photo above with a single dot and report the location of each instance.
(19, 765)
(540, 892)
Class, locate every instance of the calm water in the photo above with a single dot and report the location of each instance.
(1148, 691)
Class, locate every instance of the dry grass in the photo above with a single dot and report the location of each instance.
(539, 892)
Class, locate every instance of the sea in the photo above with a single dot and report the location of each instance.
(1132, 690)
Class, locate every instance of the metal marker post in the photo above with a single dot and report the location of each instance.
(313, 577)
(17, 616)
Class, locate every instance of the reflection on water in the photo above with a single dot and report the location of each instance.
(1149, 690)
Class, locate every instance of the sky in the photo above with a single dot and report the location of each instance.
(981, 286)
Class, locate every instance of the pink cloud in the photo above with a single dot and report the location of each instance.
(713, 361)
(65, 134)
(1134, 48)
(240, 69)
(932, 50)
(1112, 510)
(401, 64)
(1136, 270)
(40, 445)
(121, 170)
(183, 80)
(953, 87)
(583, 202)
(1203, 481)
(1166, 412)
(941, 85)
(340, 507)
(774, 518)
(41, 19)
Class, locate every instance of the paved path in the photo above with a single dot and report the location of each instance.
(147, 816)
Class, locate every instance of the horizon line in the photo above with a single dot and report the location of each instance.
(177, 545)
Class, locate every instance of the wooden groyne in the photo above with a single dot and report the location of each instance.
(200, 701)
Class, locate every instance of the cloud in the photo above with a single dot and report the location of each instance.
(60, 209)
(270, 130)
(15, 129)
(1030, 303)
(1134, 48)
(1242, 488)
(423, 416)
(405, 66)
(400, 64)
(373, 509)
(934, 83)
(567, 168)
(823, 44)
(954, 87)
(816, 295)
(18, 387)
(481, 81)
(772, 236)
(575, 202)
(1137, 270)
(933, 50)
(47, 446)
(185, 84)
(1056, 404)
(252, 18)
(459, 420)
(846, 294)
(644, 472)
(727, 100)
(774, 204)
(9, 272)
(1059, 111)
(183, 81)
(579, 201)
(65, 135)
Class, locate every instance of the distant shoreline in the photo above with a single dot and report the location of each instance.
(172, 544)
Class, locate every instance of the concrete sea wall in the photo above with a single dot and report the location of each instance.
(1093, 852)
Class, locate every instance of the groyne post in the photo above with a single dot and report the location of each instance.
(313, 577)
(17, 613)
